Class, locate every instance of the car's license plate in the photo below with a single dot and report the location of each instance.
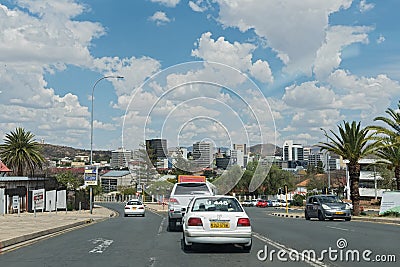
(219, 225)
(133, 208)
(339, 212)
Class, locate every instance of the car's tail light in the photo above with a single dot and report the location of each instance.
(127, 207)
(243, 222)
(173, 200)
(194, 221)
(141, 208)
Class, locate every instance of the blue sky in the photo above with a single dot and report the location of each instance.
(223, 71)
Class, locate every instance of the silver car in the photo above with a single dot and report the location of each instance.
(216, 220)
(326, 207)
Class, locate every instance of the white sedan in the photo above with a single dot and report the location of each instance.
(134, 207)
(216, 220)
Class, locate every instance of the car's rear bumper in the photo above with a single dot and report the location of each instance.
(218, 237)
(134, 212)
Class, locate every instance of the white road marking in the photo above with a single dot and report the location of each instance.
(104, 244)
(161, 226)
(288, 250)
(152, 261)
(337, 228)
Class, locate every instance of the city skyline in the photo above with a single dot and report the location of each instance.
(195, 70)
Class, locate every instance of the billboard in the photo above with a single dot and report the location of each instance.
(91, 175)
(38, 199)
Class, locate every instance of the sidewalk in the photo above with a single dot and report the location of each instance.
(20, 228)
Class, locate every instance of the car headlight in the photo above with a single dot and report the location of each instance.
(326, 207)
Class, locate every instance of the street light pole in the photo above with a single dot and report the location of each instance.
(91, 132)
(327, 161)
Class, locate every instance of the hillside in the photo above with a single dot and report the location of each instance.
(267, 150)
(58, 152)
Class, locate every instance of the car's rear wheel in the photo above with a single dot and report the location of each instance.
(348, 219)
(184, 245)
(247, 248)
(306, 216)
(321, 216)
(171, 224)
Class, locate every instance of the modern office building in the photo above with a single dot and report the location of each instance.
(203, 154)
(156, 149)
(120, 158)
(237, 157)
(292, 152)
(241, 147)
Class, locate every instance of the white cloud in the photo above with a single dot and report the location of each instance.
(364, 6)
(381, 39)
(160, 18)
(305, 95)
(237, 55)
(295, 30)
(370, 95)
(198, 6)
(329, 55)
(168, 3)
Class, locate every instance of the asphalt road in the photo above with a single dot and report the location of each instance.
(137, 241)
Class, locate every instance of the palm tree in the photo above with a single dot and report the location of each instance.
(352, 143)
(389, 152)
(20, 152)
(390, 139)
(393, 121)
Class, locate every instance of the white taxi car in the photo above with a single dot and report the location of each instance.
(134, 207)
(216, 220)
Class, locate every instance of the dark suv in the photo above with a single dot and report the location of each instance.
(326, 207)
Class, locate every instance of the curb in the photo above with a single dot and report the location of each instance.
(353, 218)
(28, 237)
(288, 215)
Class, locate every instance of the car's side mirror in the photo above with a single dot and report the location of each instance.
(315, 203)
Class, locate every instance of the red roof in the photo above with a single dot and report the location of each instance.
(3, 167)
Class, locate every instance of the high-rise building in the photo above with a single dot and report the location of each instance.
(292, 152)
(203, 154)
(241, 147)
(156, 150)
(120, 158)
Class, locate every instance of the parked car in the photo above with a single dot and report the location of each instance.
(262, 203)
(326, 207)
(247, 203)
(216, 220)
(278, 203)
(134, 207)
(254, 201)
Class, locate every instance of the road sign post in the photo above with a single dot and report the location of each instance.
(91, 174)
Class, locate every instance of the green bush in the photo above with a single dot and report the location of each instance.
(391, 213)
(298, 200)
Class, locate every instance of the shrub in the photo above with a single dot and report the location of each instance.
(298, 200)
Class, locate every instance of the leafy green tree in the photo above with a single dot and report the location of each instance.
(69, 181)
(21, 152)
(352, 143)
(145, 171)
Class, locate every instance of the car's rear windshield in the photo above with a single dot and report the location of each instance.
(216, 204)
(191, 189)
(134, 202)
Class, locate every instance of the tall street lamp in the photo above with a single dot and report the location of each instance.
(327, 161)
(91, 133)
(91, 114)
